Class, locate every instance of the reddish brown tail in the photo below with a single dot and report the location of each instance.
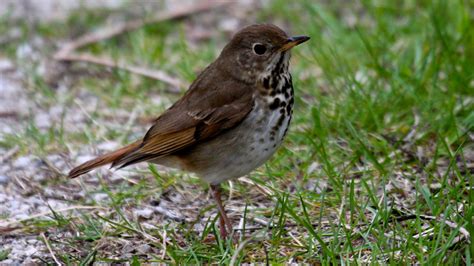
(103, 160)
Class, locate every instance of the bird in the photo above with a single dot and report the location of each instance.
(230, 121)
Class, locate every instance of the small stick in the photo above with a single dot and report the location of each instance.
(264, 190)
(163, 254)
(111, 31)
(7, 223)
(67, 52)
(240, 248)
(451, 224)
(108, 62)
(10, 153)
(50, 250)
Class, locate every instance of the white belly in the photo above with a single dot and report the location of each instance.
(242, 149)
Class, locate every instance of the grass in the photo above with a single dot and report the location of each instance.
(383, 128)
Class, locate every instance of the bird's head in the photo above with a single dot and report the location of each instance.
(256, 50)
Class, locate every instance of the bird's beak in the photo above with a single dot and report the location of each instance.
(293, 41)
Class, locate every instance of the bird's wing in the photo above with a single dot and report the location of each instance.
(200, 115)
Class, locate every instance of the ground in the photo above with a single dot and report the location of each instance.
(377, 167)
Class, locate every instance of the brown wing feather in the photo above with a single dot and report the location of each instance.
(102, 160)
(199, 115)
(215, 102)
(155, 146)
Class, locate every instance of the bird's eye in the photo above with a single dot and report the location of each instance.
(259, 48)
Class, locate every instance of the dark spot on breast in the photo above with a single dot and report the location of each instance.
(275, 104)
(278, 65)
(280, 120)
(266, 149)
(288, 109)
(261, 140)
(272, 82)
(282, 111)
(279, 124)
(283, 104)
(272, 138)
(266, 83)
(287, 127)
(274, 145)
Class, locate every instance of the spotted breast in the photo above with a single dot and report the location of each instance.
(246, 147)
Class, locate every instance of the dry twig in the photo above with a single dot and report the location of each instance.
(242, 246)
(450, 224)
(120, 28)
(68, 51)
(10, 153)
(108, 62)
(264, 190)
(46, 242)
(7, 223)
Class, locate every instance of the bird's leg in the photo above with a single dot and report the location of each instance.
(223, 219)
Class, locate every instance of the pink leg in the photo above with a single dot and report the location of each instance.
(223, 219)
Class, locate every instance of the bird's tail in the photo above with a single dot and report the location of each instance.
(103, 160)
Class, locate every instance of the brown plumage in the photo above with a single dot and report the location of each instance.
(196, 117)
(231, 120)
(103, 160)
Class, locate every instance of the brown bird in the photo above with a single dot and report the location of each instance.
(231, 120)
